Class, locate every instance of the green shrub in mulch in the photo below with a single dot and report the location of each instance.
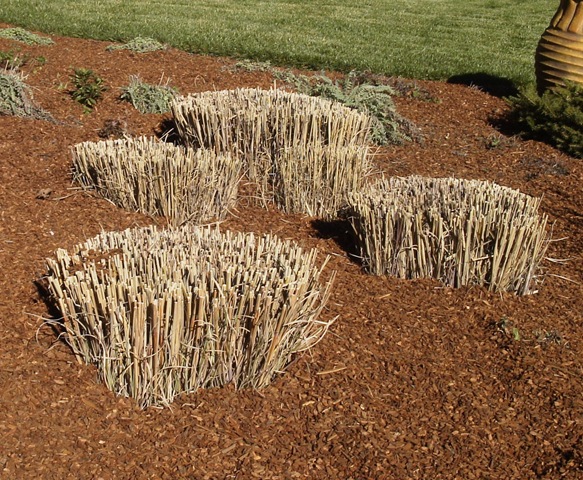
(139, 45)
(16, 97)
(24, 36)
(88, 87)
(555, 117)
(148, 98)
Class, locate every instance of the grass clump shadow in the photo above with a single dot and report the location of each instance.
(139, 45)
(16, 98)
(148, 98)
(24, 36)
(555, 116)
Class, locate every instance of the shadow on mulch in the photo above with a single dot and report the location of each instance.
(55, 317)
(168, 132)
(340, 231)
(491, 84)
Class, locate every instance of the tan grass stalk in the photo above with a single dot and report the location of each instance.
(462, 232)
(164, 312)
(263, 127)
(157, 178)
(316, 181)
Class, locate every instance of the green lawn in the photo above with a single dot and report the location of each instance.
(433, 39)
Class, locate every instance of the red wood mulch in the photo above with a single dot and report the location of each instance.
(414, 381)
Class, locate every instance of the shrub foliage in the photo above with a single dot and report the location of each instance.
(88, 87)
(555, 117)
(24, 36)
(139, 45)
(167, 312)
(148, 98)
(16, 97)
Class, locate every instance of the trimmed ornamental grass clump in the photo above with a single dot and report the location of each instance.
(260, 125)
(157, 178)
(147, 98)
(165, 312)
(461, 232)
(16, 97)
(316, 181)
(354, 91)
(24, 36)
(555, 117)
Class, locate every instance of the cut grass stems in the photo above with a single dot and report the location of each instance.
(394, 37)
(164, 312)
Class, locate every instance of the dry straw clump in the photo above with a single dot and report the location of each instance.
(316, 181)
(158, 178)
(164, 312)
(462, 232)
(267, 129)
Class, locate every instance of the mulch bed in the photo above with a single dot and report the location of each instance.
(413, 381)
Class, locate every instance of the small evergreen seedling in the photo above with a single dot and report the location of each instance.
(88, 87)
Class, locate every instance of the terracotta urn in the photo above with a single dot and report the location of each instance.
(559, 55)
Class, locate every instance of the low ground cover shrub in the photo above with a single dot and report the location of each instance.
(461, 232)
(139, 45)
(24, 36)
(148, 98)
(555, 117)
(165, 312)
(157, 178)
(16, 97)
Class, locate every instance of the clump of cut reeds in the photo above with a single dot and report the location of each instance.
(316, 181)
(165, 312)
(24, 36)
(139, 45)
(148, 98)
(356, 92)
(16, 97)
(158, 178)
(462, 232)
(258, 125)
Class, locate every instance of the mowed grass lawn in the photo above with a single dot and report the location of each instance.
(434, 39)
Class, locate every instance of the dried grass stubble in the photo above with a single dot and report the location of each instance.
(462, 232)
(158, 178)
(167, 312)
(271, 131)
